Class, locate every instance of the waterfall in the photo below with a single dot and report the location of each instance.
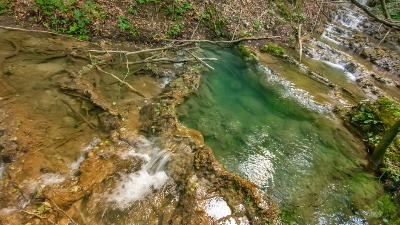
(138, 185)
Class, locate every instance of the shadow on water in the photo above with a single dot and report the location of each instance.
(303, 158)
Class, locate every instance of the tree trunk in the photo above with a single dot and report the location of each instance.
(383, 145)
(369, 13)
(384, 8)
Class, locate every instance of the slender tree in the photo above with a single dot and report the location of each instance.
(384, 8)
(386, 22)
(383, 145)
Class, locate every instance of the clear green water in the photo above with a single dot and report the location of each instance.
(308, 163)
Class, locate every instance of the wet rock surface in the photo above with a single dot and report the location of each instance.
(73, 150)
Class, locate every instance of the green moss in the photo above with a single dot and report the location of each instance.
(247, 54)
(274, 49)
(388, 209)
(371, 119)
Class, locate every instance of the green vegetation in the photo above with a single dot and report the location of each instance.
(175, 29)
(125, 25)
(176, 12)
(146, 1)
(273, 49)
(372, 120)
(247, 54)
(4, 6)
(386, 208)
(213, 20)
(68, 16)
(257, 25)
(290, 15)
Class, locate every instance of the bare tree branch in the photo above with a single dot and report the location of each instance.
(367, 11)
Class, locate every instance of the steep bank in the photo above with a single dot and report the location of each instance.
(149, 21)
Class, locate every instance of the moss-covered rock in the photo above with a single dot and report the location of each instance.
(273, 49)
(371, 120)
(248, 54)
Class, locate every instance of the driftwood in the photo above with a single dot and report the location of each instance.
(137, 52)
(167, 60)
(200, 60)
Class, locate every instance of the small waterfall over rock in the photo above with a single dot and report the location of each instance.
(140, 184)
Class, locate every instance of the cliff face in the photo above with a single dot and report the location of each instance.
(149, 20)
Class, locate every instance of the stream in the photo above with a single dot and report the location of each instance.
(270, 123)
(79, 146)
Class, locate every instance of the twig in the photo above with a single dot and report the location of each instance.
(58, 208)
(38, 31)
(123, 82)
(90, 124)
(34, 214)
(384, 37)
(229, 42)
(300, 43)
(166, 60)
(198, 59)
(238, 24)
(194, 31)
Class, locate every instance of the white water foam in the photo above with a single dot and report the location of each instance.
(217, 208)
(51, 178)
(76, 164)
(290, 91)
(338, 66)
(138, 185)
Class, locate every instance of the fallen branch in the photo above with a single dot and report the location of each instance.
(228, 42)
(90, 124)
(384, 37)
(58, 209)
(166, 60)
(34, 214)
(123, 82)
(369, 13)
(198, 59)
(137, 52)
